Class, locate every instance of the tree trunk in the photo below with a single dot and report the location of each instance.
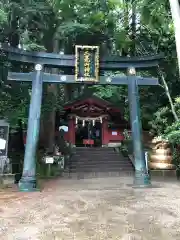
(124, 51)
(48, 120)
(52, 90)
(133, 29)
(14, 33)
(175, 12)
(69, 92)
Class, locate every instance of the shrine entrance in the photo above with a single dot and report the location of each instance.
(93, 122)
(88, 133)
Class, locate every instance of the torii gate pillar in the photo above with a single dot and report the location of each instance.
(28, 180)
(141, 178)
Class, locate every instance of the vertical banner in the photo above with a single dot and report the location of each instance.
(86, 63)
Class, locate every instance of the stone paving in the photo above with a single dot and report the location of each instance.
(92, 209)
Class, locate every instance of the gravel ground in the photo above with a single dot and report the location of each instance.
(92, 209)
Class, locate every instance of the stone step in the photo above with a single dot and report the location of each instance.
(91, 160)
(82, 175)
(88, 161)
(100, 157)
(90, 164)
(101, 166)
(94, 149)
(98, 162)
(101, 170)
(95, 152)
(95, 157)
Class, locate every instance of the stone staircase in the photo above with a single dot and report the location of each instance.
(99, 162)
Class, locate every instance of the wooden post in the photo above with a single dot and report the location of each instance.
(104, 131)
(71, 130)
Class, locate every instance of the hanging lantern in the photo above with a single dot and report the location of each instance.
(83, 123)
(76, 120)
(100, 119)
(93, 122)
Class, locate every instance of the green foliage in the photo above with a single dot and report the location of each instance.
(172, 133)
(103, 23)
(159, 121)
(176, 160)
(126, 135)
(71, 27)
(163, 124)
(3, 16)
(15, 105)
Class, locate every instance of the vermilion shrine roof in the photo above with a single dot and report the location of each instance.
(92, 100)
(94, 106)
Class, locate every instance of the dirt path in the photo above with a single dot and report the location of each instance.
(92, 209)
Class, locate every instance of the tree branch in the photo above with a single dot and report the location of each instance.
(168, 94)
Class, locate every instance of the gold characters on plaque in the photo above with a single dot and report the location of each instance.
(87, 63)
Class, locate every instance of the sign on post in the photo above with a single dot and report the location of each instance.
(49, 160)
(87, 63)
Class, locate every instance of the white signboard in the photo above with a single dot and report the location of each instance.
(114, 133)
(49, 160)
(4, 135)
(2, 144)
(65, 128)
(146, 159)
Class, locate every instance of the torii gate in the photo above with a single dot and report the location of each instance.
(87, 65)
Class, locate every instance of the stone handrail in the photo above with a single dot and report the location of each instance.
(131, 158)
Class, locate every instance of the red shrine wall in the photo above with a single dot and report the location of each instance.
(66, 136)
(108, 135)
(70, 135)
(111, 135)
(115, 135)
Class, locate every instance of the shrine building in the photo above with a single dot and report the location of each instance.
(93, 121)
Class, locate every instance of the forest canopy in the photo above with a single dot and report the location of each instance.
(124, 28)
